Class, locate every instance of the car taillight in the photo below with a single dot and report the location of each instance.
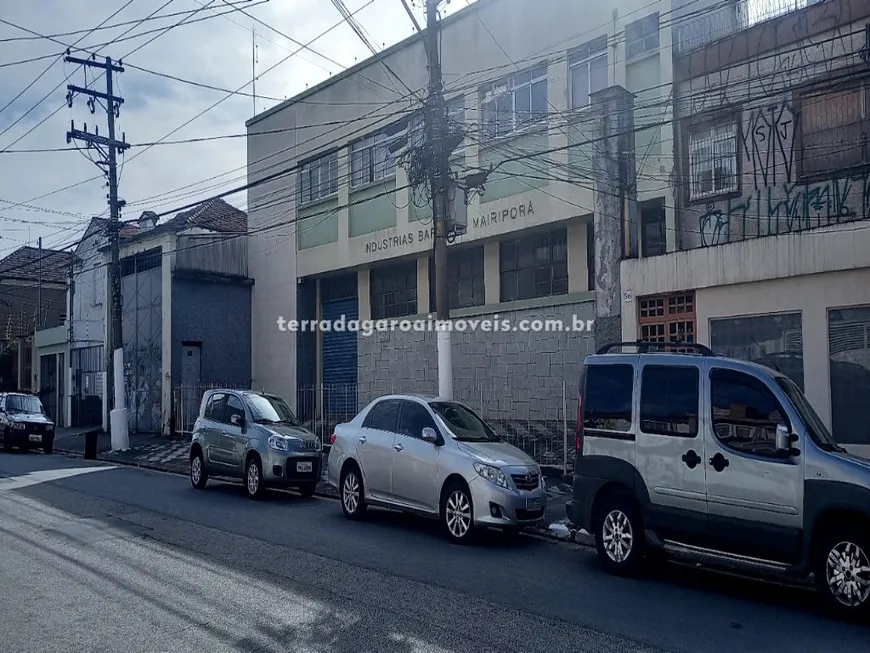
(579, 442)
(332, 439)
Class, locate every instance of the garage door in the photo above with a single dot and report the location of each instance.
(340, 359)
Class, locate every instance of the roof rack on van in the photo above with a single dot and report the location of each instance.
(643, 347)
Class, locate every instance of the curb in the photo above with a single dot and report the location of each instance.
(566, 533)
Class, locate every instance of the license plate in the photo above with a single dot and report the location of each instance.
(303, 467)
(533, 504)
(35, 438)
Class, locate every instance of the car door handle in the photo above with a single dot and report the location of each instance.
(691, 459)
(719, 462)
(362, 438)
(398, 447)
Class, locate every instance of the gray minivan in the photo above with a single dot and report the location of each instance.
(255, 437)
(696, 454)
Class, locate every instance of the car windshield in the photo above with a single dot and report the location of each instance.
(816, 428)
(23, 404)
(271, 410)
(463, 423)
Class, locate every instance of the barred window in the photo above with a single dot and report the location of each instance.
(319, 178)
(834, 128)
(712, 160)
(514, 102)
(370, 160)
(534, 266)
(465, 278)
(394, 290)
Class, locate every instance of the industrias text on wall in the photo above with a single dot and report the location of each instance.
(393, 244)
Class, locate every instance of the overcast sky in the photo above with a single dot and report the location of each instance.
(216, 51)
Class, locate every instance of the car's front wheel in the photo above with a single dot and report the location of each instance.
(353, 500)
(457, 514)
(842, 571)
(198, 473)
(48, 445)
(254, 478)
(7, 441)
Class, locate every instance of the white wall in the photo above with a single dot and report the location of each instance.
(89, 294)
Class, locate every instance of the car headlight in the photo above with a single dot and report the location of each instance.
(279, 443)
(492, 474)
(18, 425)
(49, 427)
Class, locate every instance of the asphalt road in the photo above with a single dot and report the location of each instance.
(125, 559)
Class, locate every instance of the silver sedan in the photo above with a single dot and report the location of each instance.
(435, 458)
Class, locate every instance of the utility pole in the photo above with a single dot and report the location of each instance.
(108, 149)
(439, 179)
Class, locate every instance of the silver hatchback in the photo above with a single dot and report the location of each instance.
(255, 437)
(436, 458)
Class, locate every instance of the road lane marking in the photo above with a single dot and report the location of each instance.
(45, 476)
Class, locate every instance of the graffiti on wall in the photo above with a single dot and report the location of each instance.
(773, 200)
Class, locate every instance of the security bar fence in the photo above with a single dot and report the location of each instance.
(542, 421)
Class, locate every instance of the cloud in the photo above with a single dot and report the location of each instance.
(216, 51)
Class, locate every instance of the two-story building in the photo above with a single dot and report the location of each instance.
(772, 257)
(530, 83)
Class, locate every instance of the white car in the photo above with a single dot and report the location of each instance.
(436, 458)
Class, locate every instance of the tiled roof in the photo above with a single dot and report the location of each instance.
(216, 215)
(127, 230)
(30, 263)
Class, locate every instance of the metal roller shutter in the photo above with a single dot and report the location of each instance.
(340, 359)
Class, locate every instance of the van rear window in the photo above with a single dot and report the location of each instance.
(607, 398)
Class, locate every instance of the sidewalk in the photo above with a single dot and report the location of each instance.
(171, 455)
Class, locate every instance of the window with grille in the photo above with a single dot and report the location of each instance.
(667, 318)
(370, 160)
(834, 126)
(465, 278)
(534, 266)
(514, 102)
(456, 118)
(588, 65)
(394, 290)
(642, 36)
(319, 178)
(713, 160)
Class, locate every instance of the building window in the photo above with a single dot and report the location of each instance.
(588, 65)
(319, 178)
(849, 352)
(834, 127)
(456, 118)
(652, 223)
(713, 160)
(465, 278)
(667, 318)
(370, 160)
(394, 290)
(534, 266)
(772, 340)
(513, 102)
(642, 36)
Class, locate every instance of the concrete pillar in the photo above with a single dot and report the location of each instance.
(615, 216)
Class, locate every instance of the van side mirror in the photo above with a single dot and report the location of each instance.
(783, 441)
(429, 435)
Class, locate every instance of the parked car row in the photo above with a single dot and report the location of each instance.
(414, 454)
(685, 454)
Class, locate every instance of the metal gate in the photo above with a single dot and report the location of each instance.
(142, 293)
(48, 384)
(88, 367)
(340, 359)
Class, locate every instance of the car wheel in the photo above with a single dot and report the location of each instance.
(254, 478)
(48, 446)
(353, 498)
(842, 572)
(198, 473)
(457, 513)
(7, 441)
(619, 535)
(308, 490)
